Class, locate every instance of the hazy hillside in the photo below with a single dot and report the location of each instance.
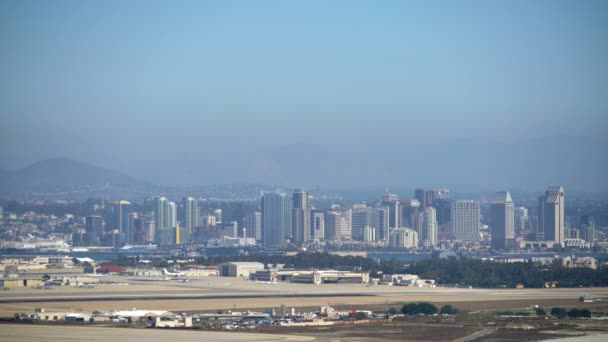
(465, 165)
(476, 164)
(64, 176)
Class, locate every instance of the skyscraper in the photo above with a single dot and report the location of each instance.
(336, 226)
(391, 201)
(230, 229)
(122, 211)
(253, 224)
(379, 220)
(521, 219)
(360, 218)
(465, 224)
(171, 215)
(540, 215)
(94, 229)
(408, 210)
(502, 220)
(588, 229)
(429, 228)
(553, 214)
(165, 221)
(191, 217)
(159, 217)
(317, 222)
(300, 217)
(427, 197)
(276, 219)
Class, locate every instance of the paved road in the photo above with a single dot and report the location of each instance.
(161, 296)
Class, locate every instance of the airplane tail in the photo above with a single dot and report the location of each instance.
(165, 271)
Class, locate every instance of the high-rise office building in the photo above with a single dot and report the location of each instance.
(172, 215)
(253, 224)
(218, 215)
(149, 229)
(122, 209)
(391, 201)
(443, 207)
(230, 229)
(521, 219)
(165, 218)
(408, 210)
(369, 234)
(276, 219)
(360, 218)
(317, 223)
(588, 229)
(382, 225)
(94, 229)
(429, 228)
(502, 220)
(139, 233)
(130, 236)
(300, 217)
(418, 222)
(427, 197)
(336, 226)
(160, 218)
(540, 215)
(190, 219)
(465, 224)
(553, 214)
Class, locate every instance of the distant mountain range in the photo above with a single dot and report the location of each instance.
(576, 163)
(56, 176)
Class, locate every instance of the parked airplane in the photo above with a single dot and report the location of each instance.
(173, 274)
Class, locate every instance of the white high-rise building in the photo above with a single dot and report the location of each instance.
(172, 215)
(191, 217)
(429, 227)
(465, 220)
(369, 234)
(317, 222)
(276, 219)
(403, 238)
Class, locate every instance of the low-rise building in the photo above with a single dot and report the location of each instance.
(12, 283)
(239, 269)
(407, 280)
(329, 276)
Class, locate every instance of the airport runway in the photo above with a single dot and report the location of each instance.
(165, 296)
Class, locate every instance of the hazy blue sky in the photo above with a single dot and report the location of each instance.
(106, 81)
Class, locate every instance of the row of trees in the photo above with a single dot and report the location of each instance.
(480, 273)
(562, 313)
(424, 309)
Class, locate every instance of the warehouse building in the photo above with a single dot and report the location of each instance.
(239, 269)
